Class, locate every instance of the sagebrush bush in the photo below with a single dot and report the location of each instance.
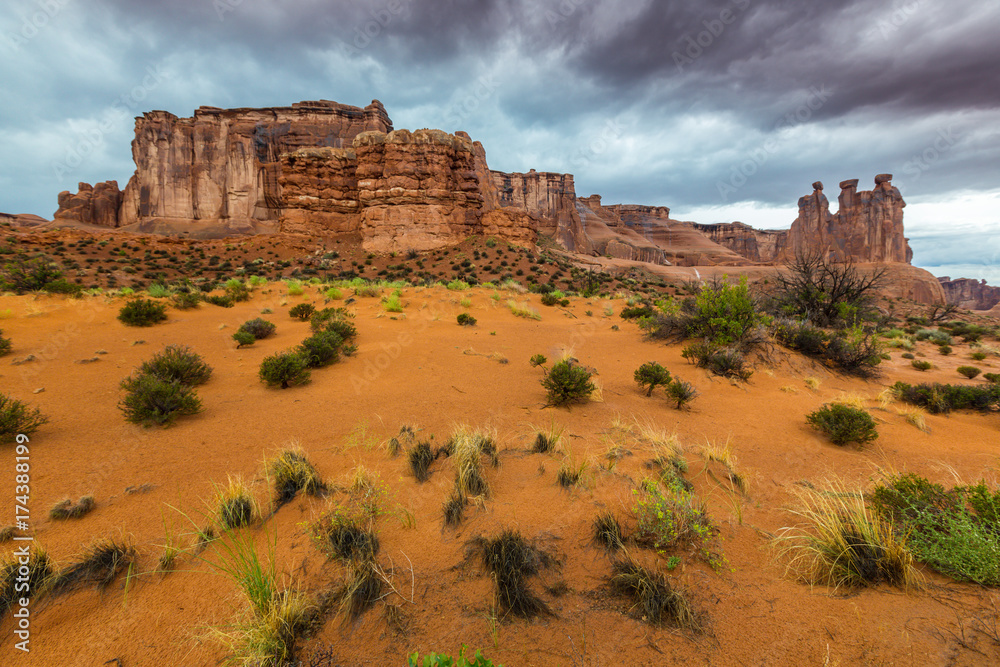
(258, 327)
(681, 392)
(321, 349)
(466, 320)
(223, 301)
(142, 313)
(651, 374)
(152, 400)
(844, 424)
(993, 378)
(968, 371)
(854, 350)
(568, 383)
(940, 398)
(237, 290)
(178, 363)
(244, 338)
(725, 362)
(921, 365)
(284, 369)
(302, 311)
(16, 417)
(186, 300)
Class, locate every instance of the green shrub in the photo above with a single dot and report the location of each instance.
(954, 531)
(158, 291)
(284, 369)
(152, 400)
(62, 286)
(921, 365)
(186, 300)
(16, 417)
(978, 356)
(637, 312)
(333, 319)
(681, 392)
(22, 275)
(725, 362)
(178, 363)
(844, 424)
(940, 398)
(302, 311)
(907, 355)
(568, 383)
(223, 301)
(333, 294)
(321, 349)
(945, 349)
(726, 314)
(466, 320)
(993, 378)
(668, 516)
(968, 371)
(5, 344)
(651, 374)
(538, 360)
(458, 285)
(392, 304)
(244, 338)
(855, 350)
(142, 313)
(258, 327)
(237, 290)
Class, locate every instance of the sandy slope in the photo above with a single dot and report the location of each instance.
(423, 369)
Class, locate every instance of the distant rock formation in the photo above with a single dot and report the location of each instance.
(757, 245)
(401, 191)
(971, 294)
(92, 204)
(867, 228)
(548, 197)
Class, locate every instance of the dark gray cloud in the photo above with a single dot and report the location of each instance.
(690, 103)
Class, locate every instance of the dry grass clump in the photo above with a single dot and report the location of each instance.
(666, 447)
(914, 416)
(510, 560)
(406, 437)
(724, 456)
(292, 472)
(547, 440)
(469, 446)
(570, 474)
(608, 532)
(654, 600)
(39, 574)
(67, 509)
(454, 508)
(362, 588)
(234, 504)
(343, 536)
(420, 458)
(843, 544)
(100, 565)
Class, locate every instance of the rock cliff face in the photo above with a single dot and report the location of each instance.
(971, 294)
(224, 164)
(867, 228)
(92, 204)
(401, 191)
(551, 199)
(757, 245)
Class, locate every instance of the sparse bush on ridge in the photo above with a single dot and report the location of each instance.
(921, 365)
(941, 398)
(466, 320)
(152, 400)
(968, 371)
(302, 311)
(258, 327)
(178, 363)
(142, 313)
(855, 350)
(825, 292)
(844, 424)
(652, 375)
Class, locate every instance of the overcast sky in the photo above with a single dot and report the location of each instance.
(720, 109)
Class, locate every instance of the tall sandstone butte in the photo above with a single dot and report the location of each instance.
(222, 165)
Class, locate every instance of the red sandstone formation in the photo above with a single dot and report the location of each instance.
(754, 244)
(92, 204)
(971, 294)
(551, 199)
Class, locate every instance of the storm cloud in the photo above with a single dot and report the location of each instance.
(724, 109)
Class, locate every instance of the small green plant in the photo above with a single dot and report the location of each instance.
(392, 304)
(157, 291)
(538, 360)
(258, 327)
(302, 311)
(284, 369)
(568, 383)
(321, 349)
(17, 418)
(844, 424)
(681, 392)
(440, 660)
(669, 516)
(178, 363)
(458, 285)
(333, 294)
(992, 378)
(294, 288)
(466, 320)
(244, 338)
(5, 344)
(968, 371)
(921, 365)
(234, 505)
(651, 374)
(186, 300)
(944, 349)
(223, 301)
(142, 313)
(978, 355)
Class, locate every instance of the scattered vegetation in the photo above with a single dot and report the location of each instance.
(652, 375)
(943, 398)
(921, 365)
(844, 424)
(100, 565)
(681, 392)
(235, 506)
(439, 660)
(178, 363)
(510, 560)
(292, 472)
(150, 400)
(258, 327)
(968, 371)
(466, 320)
(855, 350)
